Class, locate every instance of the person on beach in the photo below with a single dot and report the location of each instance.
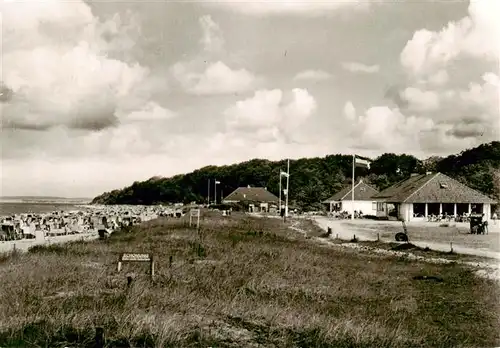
(485, 224)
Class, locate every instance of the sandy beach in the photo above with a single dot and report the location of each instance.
(25, 244)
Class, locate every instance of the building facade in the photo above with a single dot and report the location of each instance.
(342, 200)
(256, 199)
(422, 195)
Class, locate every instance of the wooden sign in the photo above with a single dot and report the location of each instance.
(135, 257)
(194, 213)
(131, 257)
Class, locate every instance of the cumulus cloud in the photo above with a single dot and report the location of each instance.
(387, 129)
(481, 104)
(440, 78)
(269, 110)
(467, 130)
(484, 95)
(312, 75)
(217, 78)
(260, 111)
(151, 112)
(360, 67)
(72, 76)
(465, 113)
(476, 35)
(475, 106)
(349, 111)
(58, 70)
(420, 100)
(212, 38)
(207, 75)
(309, 8)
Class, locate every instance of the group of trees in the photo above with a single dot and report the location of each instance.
(313, 180)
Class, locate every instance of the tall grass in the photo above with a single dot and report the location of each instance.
(238, 282)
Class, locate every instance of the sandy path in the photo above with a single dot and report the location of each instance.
(343, 231)
(346, 232)
(25, 244)
(488, 269)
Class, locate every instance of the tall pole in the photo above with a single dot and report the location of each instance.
(352, 190)
(208, 196)
(215, 189)
(279, 207)
(287, 188)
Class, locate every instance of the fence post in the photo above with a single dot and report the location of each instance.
(130, 279)
(99, 337)
(152, 267)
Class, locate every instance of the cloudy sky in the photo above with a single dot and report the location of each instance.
(95, 95)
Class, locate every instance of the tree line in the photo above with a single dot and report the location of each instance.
(313, 180)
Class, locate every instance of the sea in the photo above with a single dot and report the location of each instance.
(20, 205)
(37, 208)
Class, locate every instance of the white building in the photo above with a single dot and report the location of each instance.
(427, 194)
(342, 200)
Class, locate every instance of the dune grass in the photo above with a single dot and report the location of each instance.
(240, 282)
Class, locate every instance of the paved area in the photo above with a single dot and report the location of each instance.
(371, 230)
(490, 269)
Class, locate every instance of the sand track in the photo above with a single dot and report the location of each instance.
(25, 244)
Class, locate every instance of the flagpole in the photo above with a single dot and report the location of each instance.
(279, 207)
(215, 189)
(352, 190)
(208, 196)
(287, 190)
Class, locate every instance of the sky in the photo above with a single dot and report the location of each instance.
(96, 95)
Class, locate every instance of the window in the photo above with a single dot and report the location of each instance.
(418, 209)
(380, 206)
(374, 205)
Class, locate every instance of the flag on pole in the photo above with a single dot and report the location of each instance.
(286, 175)
(217, 182)
(362, 162)
(285, 192)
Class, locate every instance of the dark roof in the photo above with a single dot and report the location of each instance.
(400, 191)
(362, 192)
(431, 188)
(256, 194)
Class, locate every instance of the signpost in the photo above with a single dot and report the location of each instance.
(131, 257)
(194, 213)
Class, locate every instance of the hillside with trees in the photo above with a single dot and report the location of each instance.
(313, 180)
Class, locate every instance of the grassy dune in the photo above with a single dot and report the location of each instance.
(241, 282)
